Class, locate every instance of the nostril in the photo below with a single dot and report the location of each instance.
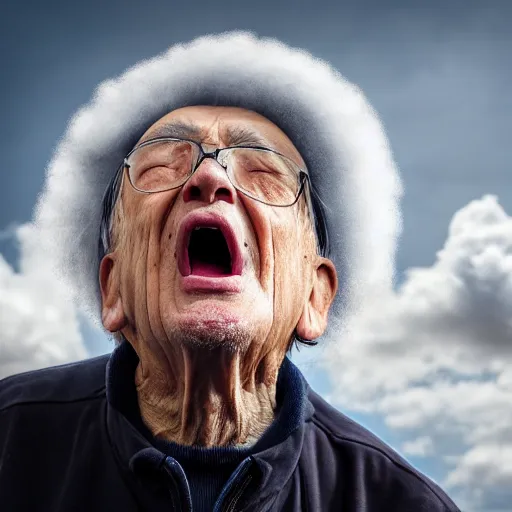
(223, 194)
(194, 192)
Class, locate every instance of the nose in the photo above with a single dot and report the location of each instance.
(209, 183)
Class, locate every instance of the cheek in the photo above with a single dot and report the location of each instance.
(288, 261)
(141, 257)
(258, 236)
(133, 255)
(292, 265)
(284, 249)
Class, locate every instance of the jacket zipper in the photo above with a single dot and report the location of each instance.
(239, 492)
(234, 488)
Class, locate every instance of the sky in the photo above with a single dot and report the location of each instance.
(429, 371)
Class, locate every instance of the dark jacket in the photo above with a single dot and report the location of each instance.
(65, 445)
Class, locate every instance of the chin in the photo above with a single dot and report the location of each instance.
(212, 327)
(234, 341)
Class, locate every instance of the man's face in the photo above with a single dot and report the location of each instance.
(165, 282)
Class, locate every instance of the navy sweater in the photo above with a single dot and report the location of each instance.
(72, 440)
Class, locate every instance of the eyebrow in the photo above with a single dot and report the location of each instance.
(234, 135)
(243, 136)
(174, 130)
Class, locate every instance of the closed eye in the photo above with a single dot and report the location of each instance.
(265, 171)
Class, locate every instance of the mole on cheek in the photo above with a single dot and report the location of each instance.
(245, 244)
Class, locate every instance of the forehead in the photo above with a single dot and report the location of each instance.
(223, 126)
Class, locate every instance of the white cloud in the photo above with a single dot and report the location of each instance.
(39, 326)
(419, 447)
(434, 358)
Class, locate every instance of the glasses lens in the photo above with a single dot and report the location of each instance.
(161, 165)
(264, 175)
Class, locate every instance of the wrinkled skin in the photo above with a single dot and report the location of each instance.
(209, 360)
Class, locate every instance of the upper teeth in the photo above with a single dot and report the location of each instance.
(206, 227)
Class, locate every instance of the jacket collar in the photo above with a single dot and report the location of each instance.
(275, 455)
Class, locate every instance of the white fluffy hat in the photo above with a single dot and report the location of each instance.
(327, 118)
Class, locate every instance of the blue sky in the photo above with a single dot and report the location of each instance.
(439, 76)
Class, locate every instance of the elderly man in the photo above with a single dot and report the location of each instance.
(205, 172)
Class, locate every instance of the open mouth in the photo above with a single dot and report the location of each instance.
(208, 253)
(208, 247)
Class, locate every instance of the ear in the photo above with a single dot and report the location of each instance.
(313, 320)
(112, 312)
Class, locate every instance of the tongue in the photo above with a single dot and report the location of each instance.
(206, 269)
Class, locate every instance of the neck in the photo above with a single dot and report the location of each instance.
(205, 397)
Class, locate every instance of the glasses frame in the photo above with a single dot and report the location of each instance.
(302, 176)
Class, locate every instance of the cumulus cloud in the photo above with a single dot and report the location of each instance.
(419, 447)
(39, 326)
(434, 358)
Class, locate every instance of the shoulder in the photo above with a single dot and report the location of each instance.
(375, 468)
(84, 380)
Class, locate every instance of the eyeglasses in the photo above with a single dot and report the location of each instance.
(262, 174)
